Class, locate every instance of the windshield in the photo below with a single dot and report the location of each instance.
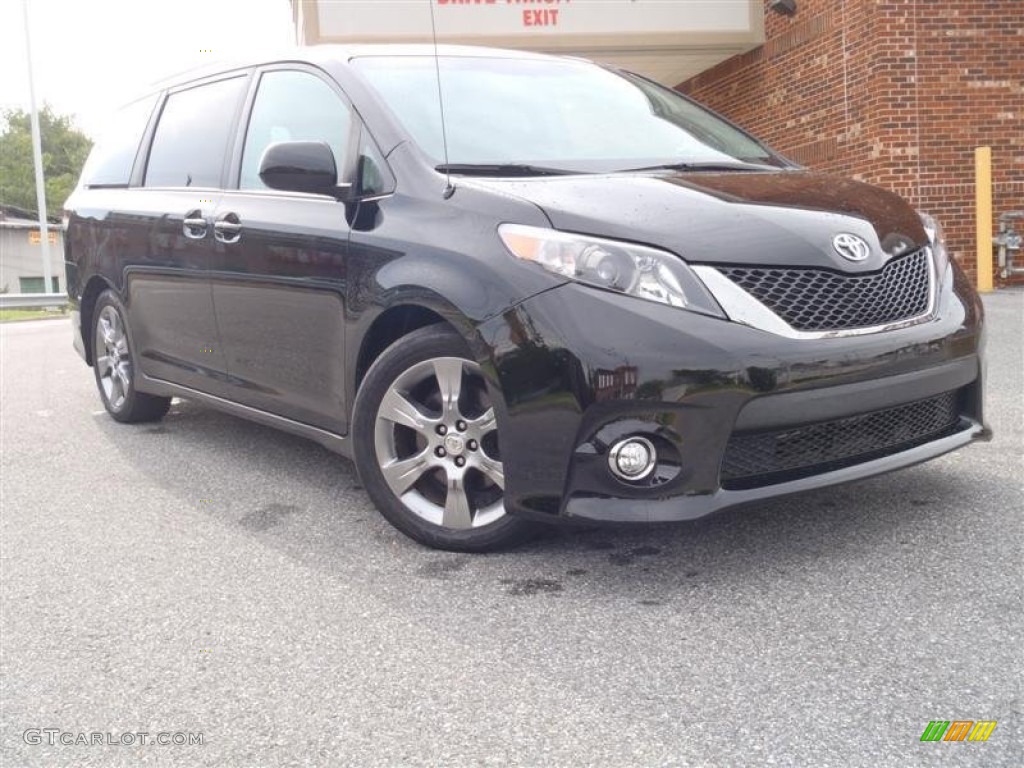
(552, 113)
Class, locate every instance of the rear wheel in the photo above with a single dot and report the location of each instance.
(427, 445)
(114, 366)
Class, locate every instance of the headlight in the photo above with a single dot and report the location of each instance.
(932, 228)
(937, 240)
(634, 270)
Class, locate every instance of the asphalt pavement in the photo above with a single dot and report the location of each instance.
(212, 577)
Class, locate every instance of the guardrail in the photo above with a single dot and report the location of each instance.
(32, 300)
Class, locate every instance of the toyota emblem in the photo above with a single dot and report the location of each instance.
(851, 247)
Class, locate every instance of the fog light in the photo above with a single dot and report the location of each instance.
(632, 459)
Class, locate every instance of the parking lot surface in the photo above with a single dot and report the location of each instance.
(208, 575)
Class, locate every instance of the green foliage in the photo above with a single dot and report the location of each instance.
(14, 315)
(65, 149)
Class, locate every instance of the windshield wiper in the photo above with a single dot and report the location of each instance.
(737, 166)
(501, 169)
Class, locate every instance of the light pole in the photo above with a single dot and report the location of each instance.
(37, 156)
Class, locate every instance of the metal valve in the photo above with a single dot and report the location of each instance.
(1009, 241)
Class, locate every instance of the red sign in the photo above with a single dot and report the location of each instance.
(532, 17)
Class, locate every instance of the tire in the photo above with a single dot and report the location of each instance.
(114, 366)
(431, 463)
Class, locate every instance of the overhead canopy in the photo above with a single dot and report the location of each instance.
(667, 40)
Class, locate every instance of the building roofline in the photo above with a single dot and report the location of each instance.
(13, 217)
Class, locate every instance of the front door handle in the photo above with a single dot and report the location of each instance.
(195, 224)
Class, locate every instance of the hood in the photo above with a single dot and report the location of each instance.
(785, 218)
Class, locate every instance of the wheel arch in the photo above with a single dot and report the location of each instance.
(389, 326)
(87, 305)
(409, 309)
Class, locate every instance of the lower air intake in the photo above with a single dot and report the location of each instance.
(765, 458)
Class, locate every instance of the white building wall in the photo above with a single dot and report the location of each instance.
(668, 40)
(21, 258)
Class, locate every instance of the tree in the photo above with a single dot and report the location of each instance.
(65, 149)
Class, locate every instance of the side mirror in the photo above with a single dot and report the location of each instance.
(302, 166)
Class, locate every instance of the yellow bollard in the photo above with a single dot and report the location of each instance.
(983, 215)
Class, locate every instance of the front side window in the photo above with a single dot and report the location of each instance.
(293, 106)
(191, 139)
(559, 113)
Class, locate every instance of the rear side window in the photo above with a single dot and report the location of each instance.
(293, 106)
(191, 139)
(111, 160)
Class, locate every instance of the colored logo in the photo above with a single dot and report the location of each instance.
(958, 730)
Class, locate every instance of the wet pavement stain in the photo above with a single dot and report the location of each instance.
(532, 586)
(267, 517)
(630, 557)
(646, 550)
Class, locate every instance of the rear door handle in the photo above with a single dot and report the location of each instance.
(195, 224)
(228, 228)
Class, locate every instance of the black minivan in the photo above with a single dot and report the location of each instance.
(514, 288)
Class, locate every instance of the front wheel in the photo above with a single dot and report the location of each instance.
(427, 445)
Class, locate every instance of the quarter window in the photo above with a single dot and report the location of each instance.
(293, 106)
(191, 138)
(111, 160)
(372, 176)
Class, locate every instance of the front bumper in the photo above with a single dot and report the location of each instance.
(691, 507)
(575, 369)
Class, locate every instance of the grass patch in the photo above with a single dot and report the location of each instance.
(14, 315)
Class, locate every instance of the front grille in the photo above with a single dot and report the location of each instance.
(820, 300)
(763, 458)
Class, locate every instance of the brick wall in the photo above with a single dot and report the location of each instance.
(894, 92)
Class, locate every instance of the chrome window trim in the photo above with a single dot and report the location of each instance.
(742, 307)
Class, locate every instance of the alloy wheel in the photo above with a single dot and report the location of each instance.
(436, 443)
(114, 366)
